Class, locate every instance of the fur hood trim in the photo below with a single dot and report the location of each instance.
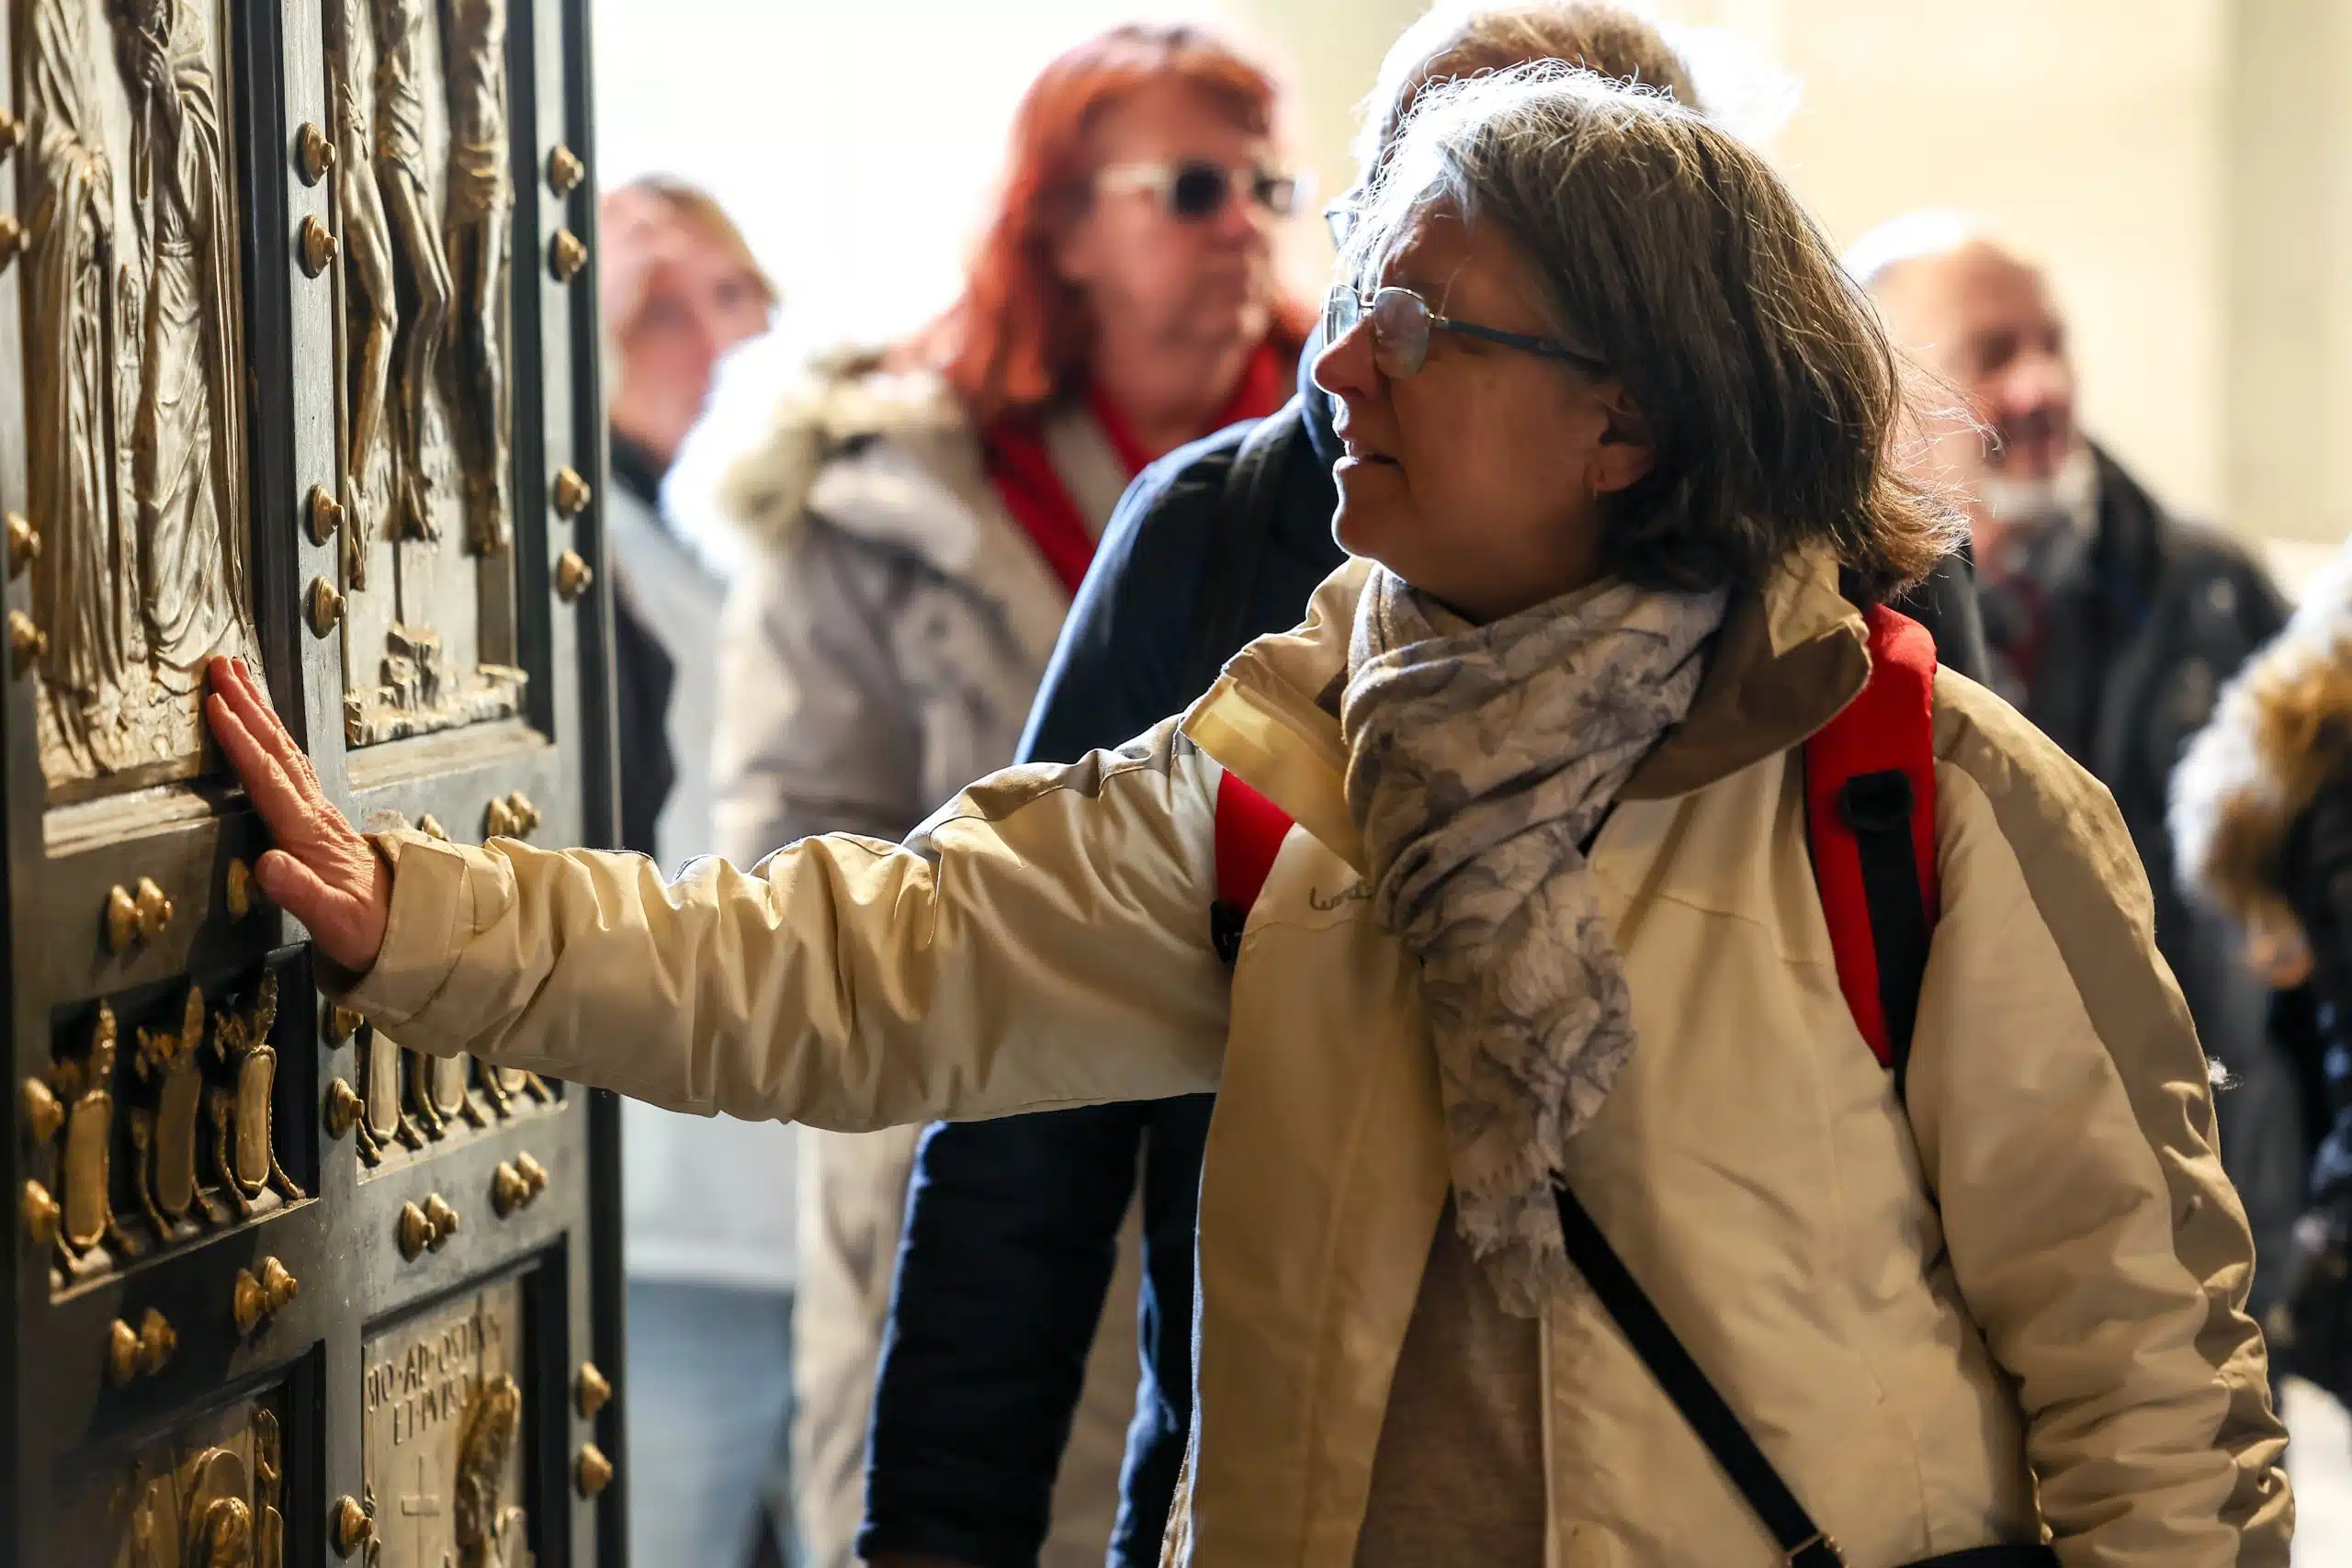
(2280, 731)
(777, 421)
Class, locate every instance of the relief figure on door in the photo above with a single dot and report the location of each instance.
(188, 446)
(403, 75)
(424, 352)
(480, 209)
(84, 581)
(371, 304)
(135, 415)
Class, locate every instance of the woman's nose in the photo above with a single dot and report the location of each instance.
(1344, 369)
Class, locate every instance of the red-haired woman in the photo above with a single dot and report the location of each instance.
(925, 517)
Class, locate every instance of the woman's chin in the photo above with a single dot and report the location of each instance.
(1356, 531)
(1372, 544)
(1369, 521)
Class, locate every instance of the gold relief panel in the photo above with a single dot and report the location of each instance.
(240, 1105)
(444, 1434)
(423, 202)
(209, 1494)
(408, 1100)
(164, 1129)
(135, 441)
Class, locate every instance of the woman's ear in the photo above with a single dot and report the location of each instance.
(1628, 450)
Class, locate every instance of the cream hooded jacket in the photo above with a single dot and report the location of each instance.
(2016, 1307)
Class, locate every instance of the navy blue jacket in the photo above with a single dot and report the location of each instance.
(1013, 1224)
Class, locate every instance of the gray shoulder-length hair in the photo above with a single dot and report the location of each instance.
(1670, 250)
(1462, 38)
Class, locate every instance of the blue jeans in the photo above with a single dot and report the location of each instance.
(710, 1399)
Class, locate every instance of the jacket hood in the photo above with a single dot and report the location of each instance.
(886, 456)
(2282, 731)
(1789, 656)
(778, 419)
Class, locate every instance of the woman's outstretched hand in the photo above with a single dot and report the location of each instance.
(321, 872)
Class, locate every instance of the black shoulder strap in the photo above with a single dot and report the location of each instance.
(1877, 807)
(1245, 515)
(1802, 1542)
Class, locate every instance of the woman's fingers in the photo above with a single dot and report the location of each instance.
(253, 706)
(276, 772)
(281, 804)
(323, 873)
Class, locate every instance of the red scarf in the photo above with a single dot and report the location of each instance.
(1023, 471)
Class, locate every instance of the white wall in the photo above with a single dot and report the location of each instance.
(2288, 250)
(2088, 129)
(855, 140)
(2184, 167)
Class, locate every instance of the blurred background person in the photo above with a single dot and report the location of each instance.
(680, 289)
(921, 519)
(2262, 830)
(709, 1272)
(2112, 625)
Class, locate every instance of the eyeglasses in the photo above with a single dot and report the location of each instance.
(1195, 190)
(1340, 217)
(1402, 321)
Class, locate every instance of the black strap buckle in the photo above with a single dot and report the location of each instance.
(1226, 924)
(1876, 802)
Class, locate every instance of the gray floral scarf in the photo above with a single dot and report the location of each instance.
(1479, 760)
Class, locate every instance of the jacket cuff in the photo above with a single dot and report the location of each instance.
(432, 913)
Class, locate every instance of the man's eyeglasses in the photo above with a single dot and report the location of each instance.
(1402, 321)
(1340, 217)
(1197, 190)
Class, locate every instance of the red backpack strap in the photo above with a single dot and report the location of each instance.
(1870, 777)
(1250, 833)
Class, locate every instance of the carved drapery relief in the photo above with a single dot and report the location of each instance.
(425, 205)
(136, 439)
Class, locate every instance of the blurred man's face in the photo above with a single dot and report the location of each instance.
(699, 302)
(1985, 324)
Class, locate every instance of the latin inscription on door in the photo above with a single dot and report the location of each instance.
(444, 1442)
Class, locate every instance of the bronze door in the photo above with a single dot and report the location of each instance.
(302, 367)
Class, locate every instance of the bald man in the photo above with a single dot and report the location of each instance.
(2110, 625)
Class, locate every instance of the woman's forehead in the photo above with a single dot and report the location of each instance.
(1459, 265)
(1170, 117)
